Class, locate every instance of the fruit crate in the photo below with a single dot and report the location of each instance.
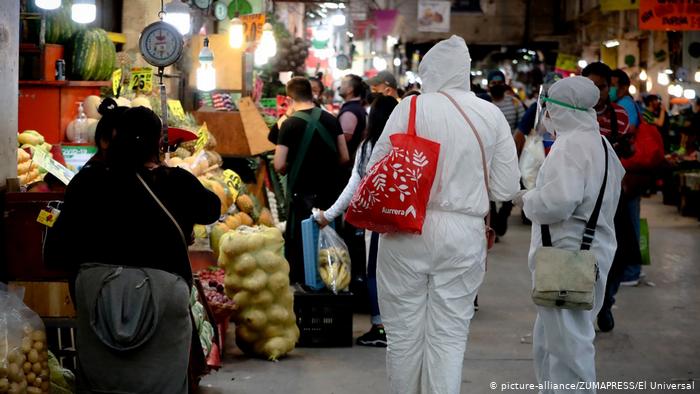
(60, 337)
(324, 319)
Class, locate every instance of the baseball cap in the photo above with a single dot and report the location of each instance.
(496, 75)
(384, 77)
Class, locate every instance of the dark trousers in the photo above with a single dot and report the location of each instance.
(627, 252)
(372, 274)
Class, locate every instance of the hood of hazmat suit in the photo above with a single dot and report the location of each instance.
(427, 283)
(564, 198)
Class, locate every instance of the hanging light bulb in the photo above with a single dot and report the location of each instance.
(689, 94)
(338, 18)
(48, 4)
(379, 63)
(633, 90)
(236, 33)
(582, 63)
(260, 58)
(643, 75)
(663, 79)
(267, 41)
(177, 14)
(206, 75)
(83, 11)
(650, 85)
(697, 76)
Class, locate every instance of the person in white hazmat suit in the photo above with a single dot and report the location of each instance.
(564, 197)
(427, 283)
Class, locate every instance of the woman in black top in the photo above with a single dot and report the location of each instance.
(131, 262)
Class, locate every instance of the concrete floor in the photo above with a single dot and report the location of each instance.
(656, 337)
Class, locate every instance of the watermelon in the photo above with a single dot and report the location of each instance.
(92, 55)
(59, 26)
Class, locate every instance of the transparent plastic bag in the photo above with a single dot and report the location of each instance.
(333, 261)
(531, 159)
(24, 355)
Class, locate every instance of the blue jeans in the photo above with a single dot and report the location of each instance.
(632, 272)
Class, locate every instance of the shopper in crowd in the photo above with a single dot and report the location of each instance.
(311, 150)
(568, 186)
(106, 128)
(614, 125)
(619, 94)
(352, 115)
(378, 116)
(427, 283)
(124, 231)
(317, 90)
(655, 114)
(384, 83)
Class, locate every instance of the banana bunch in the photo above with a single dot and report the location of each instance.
(30, 137)
(27, 170)
(333, 266)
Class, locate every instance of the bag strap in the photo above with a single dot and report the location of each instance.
(412, 116)
(613, 124)
(167, 212)
(312, 125)
(589, 231)
(481, 147)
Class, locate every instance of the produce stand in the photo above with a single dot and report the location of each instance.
(55, 102)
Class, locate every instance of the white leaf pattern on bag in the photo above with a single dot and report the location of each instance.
(406, 170)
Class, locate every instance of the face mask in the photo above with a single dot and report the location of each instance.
(498, 91)
(613, 93)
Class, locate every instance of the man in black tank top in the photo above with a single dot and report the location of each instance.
(352, 116)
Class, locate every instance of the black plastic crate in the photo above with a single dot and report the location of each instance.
(60, 338)
(324, 319)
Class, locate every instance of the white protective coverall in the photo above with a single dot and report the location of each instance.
(427, 283)
(566, 190)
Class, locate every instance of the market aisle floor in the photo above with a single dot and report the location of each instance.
(656, 337)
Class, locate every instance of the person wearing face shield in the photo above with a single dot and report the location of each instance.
(427, 283)
(567, 189)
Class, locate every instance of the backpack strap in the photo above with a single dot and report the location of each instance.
(589, 231)
(312, 126)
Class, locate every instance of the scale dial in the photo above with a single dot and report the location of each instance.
(220, 10)
(161, 44)
(202, 4)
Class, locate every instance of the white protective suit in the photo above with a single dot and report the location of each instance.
(427, 283)
(564, 197)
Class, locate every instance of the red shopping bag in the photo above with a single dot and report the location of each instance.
(648, 149)
(393, 196)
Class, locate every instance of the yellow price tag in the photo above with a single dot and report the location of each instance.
(233, 182)
(176, 110)
(48, 217)
(141, 79)
(116, 81)
(202, 137)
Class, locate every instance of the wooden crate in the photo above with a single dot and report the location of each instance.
(47, 299)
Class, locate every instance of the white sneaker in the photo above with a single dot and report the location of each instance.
(630, 283)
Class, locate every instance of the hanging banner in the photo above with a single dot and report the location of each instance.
(434, 16)
(385, 21)
(669, 15)
(618, 5)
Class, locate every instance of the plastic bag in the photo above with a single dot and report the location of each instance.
(333, 260)
(24, 367)
(644, 242)
(531, 160)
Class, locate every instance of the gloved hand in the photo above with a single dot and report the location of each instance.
(320, 217)
(518, 199)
